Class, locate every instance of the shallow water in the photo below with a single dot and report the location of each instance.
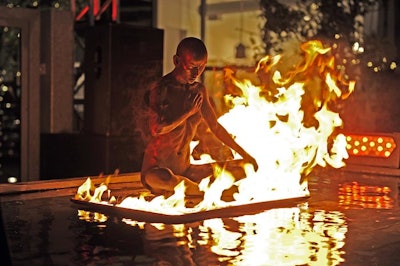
(350, 219)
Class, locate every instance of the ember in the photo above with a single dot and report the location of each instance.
(286, 123)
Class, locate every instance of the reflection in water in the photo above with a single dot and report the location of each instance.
(168, 244)
(107, 242)
(284, 237)
(334, 227)
(289, 236)
(92, 216)
(355, 195)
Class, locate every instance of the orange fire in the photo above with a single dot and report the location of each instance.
(286, 122)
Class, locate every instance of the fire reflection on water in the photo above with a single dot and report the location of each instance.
(303, 235)
(293, 237)
(286, 236)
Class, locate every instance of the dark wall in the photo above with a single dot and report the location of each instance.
(120, 62)
(375, 104)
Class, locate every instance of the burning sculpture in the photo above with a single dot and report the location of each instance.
(287, 122)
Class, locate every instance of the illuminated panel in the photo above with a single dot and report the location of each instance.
(375, 146)
(373, 149)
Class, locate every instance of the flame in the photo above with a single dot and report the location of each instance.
(89, 192)
(286, 122)
(288, 125)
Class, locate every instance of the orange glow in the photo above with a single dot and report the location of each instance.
(370, 145)
(286, 123)
(355, 195)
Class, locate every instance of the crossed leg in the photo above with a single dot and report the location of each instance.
(162, 181)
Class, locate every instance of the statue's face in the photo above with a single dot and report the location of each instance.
(189, 68)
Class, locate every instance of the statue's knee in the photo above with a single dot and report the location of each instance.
(163, 174)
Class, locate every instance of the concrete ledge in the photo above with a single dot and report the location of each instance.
(43, 185)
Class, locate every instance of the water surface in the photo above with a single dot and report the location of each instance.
(350, 219)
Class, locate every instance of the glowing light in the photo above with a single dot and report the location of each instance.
(356, 46)
(363, 148)
(372, 144)
(12, 179)
(376, 146)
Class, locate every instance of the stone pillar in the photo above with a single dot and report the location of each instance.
(57, 65)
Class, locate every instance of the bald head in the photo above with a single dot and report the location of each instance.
(194, 46)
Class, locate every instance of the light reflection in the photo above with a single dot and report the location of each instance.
(292, 237)
(287, 236)
(355, 195)
(94, 217)
(225, 243)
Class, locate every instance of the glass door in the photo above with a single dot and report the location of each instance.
(10, 104)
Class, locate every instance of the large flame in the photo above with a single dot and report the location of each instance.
(286, 122)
